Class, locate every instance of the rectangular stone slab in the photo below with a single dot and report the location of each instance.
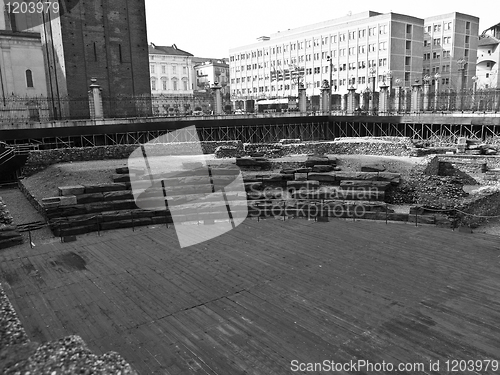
(71, 190)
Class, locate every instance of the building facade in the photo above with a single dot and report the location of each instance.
(171, 70)
(22, 70)
(209, 71)
(488, 57)
(450, 50)
(360, 51)
(102, 39)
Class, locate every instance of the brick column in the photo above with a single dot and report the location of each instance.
(325, 97)
(95, 100)
(383, 100)
(416, 100)
(302, 98)
(216, 88)
(351, 100)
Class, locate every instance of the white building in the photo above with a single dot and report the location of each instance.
(361, 46)
(21, 57)
(450, 44)
(488, 57)
(209, 71)
(171, 71)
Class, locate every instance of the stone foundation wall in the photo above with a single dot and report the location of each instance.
(39, 160)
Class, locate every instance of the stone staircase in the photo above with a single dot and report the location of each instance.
(300, 192)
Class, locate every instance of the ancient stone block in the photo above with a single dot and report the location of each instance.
(71, 190)
(67, 200)
(372, 167)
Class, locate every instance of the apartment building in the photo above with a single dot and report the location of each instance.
(450, 49)
(360, 50)
(209, 71)
(488, 57)
(171, 70)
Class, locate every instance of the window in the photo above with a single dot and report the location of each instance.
(185, 84)
(467, 39)
(383, 29)
(447, 40)
(437, 41)
(407, 60)
(436, 55)
(447, 26)
(382, 46)
(371, 47)
(447, 54)
(361, 33)
(382, 62)
(153, 84)
(174, 82)
(466, 53)
(352, 35)
(164, 84)
(427, 56)
(426, 43)
(408, 29)
(174, 69)
(372, 31)
(29, 78)
(437, 28)
(184, 70)
(407, 76)
(317, 70)
(428, 29)
(408, 44)
(467, 25)
(361, 49)
(342, 38)
(152, 68)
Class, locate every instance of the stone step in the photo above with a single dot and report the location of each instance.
(307, 184)
(336, 177)
(339, 194)
(364, 185)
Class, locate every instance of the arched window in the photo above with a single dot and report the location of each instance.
(174, 84)
(29, 78)
(164, 86)
(153, 84)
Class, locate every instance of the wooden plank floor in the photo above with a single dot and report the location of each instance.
(265, 294)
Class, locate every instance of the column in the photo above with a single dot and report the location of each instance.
(216, 88)
(416, 100)
(95, 100)
(351, 100)
(325, 97)
(397, 99)
(302, 98)
(383, 100)
(426, 98)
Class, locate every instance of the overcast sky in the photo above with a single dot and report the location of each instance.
(209, 28)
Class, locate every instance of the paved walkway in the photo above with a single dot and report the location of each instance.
(266, 294)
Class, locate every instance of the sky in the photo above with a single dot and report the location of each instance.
(209, 28)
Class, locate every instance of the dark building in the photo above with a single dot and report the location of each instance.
(101, 39)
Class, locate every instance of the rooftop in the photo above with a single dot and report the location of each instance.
(172, 50)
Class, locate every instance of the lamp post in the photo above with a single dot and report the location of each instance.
(437, 76)
(371, 104)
